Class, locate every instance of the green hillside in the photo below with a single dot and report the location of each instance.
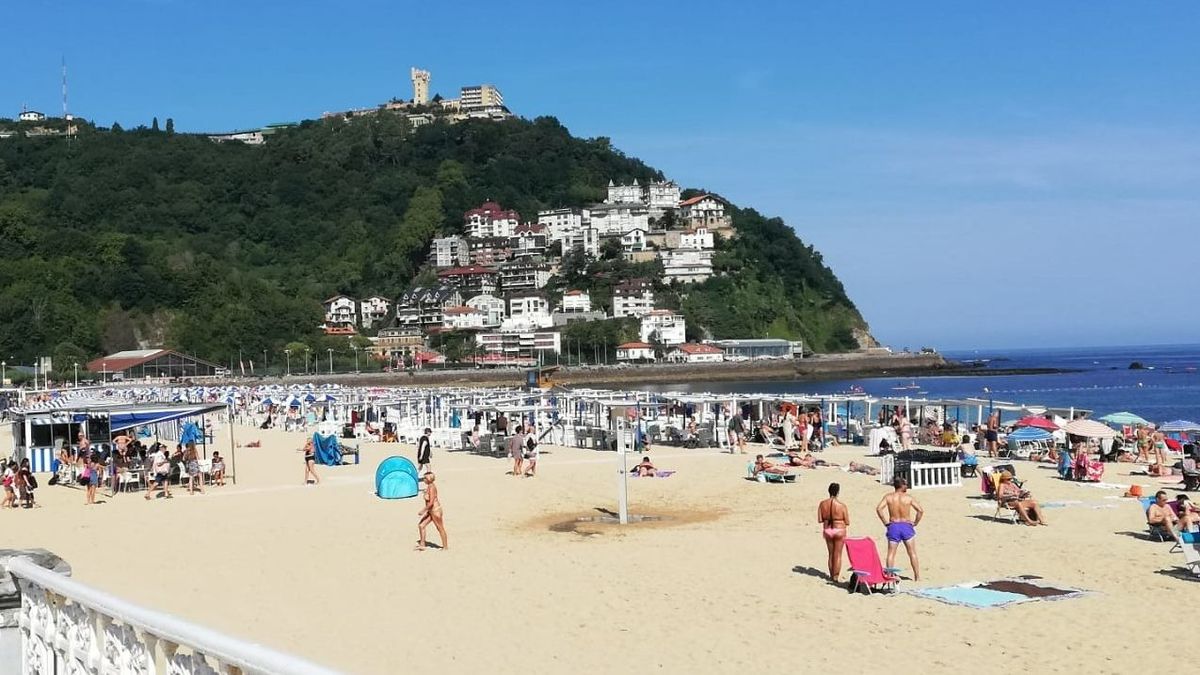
(128, 236)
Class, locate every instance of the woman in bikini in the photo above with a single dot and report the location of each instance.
(835, 519)
(432, 513)
(310, 463)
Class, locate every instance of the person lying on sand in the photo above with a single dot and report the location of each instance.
(807, 460)
(869, 470)
(765, 466)
(645, 469)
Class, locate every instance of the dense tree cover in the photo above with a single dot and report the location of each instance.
(155, 237)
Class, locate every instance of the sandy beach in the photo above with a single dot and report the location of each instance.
(734, 581)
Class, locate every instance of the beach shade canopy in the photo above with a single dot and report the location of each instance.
(1030, 434)
(1037, 423)
(396, 478)
(1089, 429)
(1179, 425)
(1124, 418)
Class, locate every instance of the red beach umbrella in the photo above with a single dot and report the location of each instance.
(1037, 422)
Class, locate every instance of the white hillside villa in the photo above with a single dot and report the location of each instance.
(665, 326)
(687, 266)
(576, 301)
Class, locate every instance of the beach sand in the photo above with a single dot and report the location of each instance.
(734, 582)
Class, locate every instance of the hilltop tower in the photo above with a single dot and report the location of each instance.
(420, 82)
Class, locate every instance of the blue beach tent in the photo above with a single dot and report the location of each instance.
(396, 478)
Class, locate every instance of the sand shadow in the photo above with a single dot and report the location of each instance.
(994, 519)
(811, 572)
(1181, 573)
(1145, 536)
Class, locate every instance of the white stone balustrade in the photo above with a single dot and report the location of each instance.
(70, 628)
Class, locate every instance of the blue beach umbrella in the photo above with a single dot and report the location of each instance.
(1179, 425)
(1030, 434)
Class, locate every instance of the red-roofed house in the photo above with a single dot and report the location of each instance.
(490, 220)
(463, 318)
(690, 352)
(143, 363)
(705, 211)
(635, 351)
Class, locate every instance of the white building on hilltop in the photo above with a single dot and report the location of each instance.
(687, 266)
(658, 196)
(617, 218)
(374, 310)
(706, 211)
(420, 84)
(31, 116)
(449, 252)
(624, 194)
(560, 224)
(576, 301)
(632, 298)
(493, 309)
(665, 326)
(697, 238)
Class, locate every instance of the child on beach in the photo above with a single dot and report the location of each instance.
(218, 469)
(432, 513)
(10, 477)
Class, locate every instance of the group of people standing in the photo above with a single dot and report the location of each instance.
(898, 511)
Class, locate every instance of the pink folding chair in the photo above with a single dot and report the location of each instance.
(866, 570)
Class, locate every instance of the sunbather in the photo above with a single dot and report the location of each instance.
(765, 466)
(645, 469)
(807, 460)
(869, 470)
(1189, 515)
(1161, 518)
(1020, 501)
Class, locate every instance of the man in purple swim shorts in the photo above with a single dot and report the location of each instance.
(895, 512)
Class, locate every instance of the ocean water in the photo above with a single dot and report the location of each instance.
(1169, 389)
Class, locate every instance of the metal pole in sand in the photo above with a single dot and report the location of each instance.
(622, 476)
(232, 448)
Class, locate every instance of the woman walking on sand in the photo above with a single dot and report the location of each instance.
(432, 513)
(310, 463)
(191, 464)
(834, 518)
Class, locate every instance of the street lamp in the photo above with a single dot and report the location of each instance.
(287, 353)
(76, 366)
(330, 350)
(264, 362)
(103, 372)
(355, 348)
(307, 351)
(3, 372)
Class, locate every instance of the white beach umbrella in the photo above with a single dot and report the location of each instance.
(1089, 429)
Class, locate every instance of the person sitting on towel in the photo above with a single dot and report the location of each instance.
(765, 466)
(1021, 501)
(645, 469)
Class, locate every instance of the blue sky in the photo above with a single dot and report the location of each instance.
(978, 174)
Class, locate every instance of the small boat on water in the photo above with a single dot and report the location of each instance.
(911, 386)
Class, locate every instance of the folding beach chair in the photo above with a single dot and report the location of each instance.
(764, 477)
(1000, 505)
(866, 571)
